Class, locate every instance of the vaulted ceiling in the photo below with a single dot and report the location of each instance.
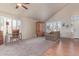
(37, 11)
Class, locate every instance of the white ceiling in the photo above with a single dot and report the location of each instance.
(37, 11)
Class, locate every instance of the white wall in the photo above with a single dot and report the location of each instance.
(65, 15)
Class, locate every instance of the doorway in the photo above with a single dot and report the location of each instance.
(75, 26)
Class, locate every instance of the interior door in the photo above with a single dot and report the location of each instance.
(76, 28)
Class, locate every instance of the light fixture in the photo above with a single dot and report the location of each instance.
(19, 4)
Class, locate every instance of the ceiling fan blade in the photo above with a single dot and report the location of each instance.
(24, 7)
(17, 6)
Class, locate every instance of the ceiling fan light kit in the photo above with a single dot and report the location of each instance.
(19, 4)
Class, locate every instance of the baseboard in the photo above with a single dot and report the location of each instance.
(68, 38)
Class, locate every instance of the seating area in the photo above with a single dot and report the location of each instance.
(15, 35)
(39, 29)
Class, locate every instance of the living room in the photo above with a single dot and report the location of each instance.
(39, 29)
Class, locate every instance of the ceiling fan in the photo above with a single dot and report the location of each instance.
(24, 5)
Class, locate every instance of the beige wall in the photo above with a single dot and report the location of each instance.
(65, 15)
(28, 28)
(28, 24)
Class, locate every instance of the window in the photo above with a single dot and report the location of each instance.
(53, 26)
(12, 24)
